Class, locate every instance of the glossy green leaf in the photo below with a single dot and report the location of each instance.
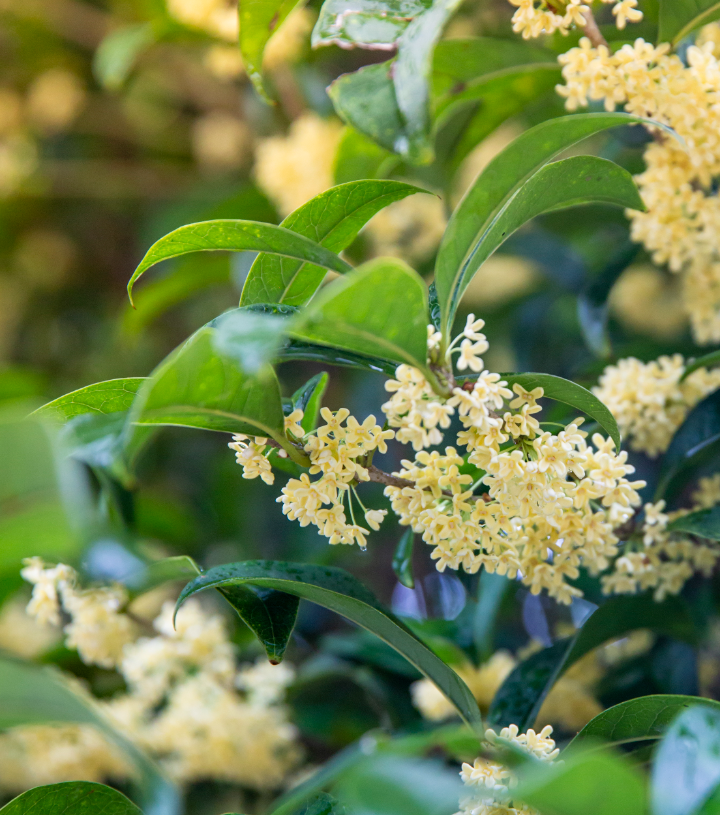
(365, 23)
(686, 767)
(252, 339)
(113, 396)
(268, 613)
(402, 559)
(592, 784)
(462, 60)
(341, 592)
(71, 798)
(365, 99)
(643, 719)
(411, 77)
(706, 361)
(119, 51)
(259, 20)
(678, 18)
(474, 231)
(705, 523)
(237, 236)
(308, 398)
(297, 349)
(570, 182)
(196, 386)
(331, 219)
(379, 310)
(34, 695)
(696, 439)
(521, 696)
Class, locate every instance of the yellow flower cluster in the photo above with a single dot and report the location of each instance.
(340, 455)
(491, 782)
(186, 703)
(251, 452)
(682, 221)
(536, 17)
(650, 400)
(660, 559)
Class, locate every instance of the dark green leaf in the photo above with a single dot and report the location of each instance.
(686, 768)
(491, 199)
(591, 784)
(322, 804)
(297, 349)
(113, 396)
(268, 613)
(331, 219)
(434, 306)
(308, 398)
(696, 438)
(33, 695)
(491, 590)
(520, 697)
(365, 23)
(237, 236)
(678, 18)
(378, 310)
(705, 523)
(341, 592)
(196, 386)
(642, 719)
(71, 798)
(705, 361)
(402, 560)
(119, 51)
(259, 20)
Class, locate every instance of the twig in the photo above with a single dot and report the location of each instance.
(592, 31)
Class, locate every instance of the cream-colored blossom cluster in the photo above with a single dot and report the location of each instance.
(682, 221)
(339, 452)
(187, 702)
(650, 400)
(252, 451)
(490, 782)
(534, 18)
(658, 558)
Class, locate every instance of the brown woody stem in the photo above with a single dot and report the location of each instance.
(592, 31)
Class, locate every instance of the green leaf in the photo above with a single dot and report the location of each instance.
(411, 77)
(686, 768)
(331, 219)
(196, 386)
(297, 349)
(359, 157)
(322, 804)
(705, 523)
(492, 588)
(378, 310)
(566, 183)
(365, 99)
(569, 393)
(521, 695)
(476, 227)
(103, 398)
(705, 361)
(696, 439)
(71, 798)
(33, 695)
(642, 719)
(678, 18)
(339, 591)
(268, 613)
(237, 236)
(402, 560)
(365, 23)
(250, 337)
(157, 572)
(308, 398)
(590, 784)
(119, 51)
(462, 60)
(259, 20)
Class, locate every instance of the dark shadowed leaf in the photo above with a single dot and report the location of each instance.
(378, 310)
(402, 560)
(520, 697)
(308, 398)
(462, 60)
(339, 591)
(705, 523)
(706, 361)
(71, 798)
(492, 195)
(331, 219)
(297, 349)
(686, 768)
(237, 236)
(678, 18)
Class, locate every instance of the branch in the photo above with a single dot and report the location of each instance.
(592, 31)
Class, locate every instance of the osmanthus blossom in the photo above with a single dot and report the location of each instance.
(534, 18)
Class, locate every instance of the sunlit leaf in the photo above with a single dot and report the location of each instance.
(341, 592)
(71, 798)
(113, 396)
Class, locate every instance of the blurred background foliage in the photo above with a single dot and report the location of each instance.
(123, 119)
